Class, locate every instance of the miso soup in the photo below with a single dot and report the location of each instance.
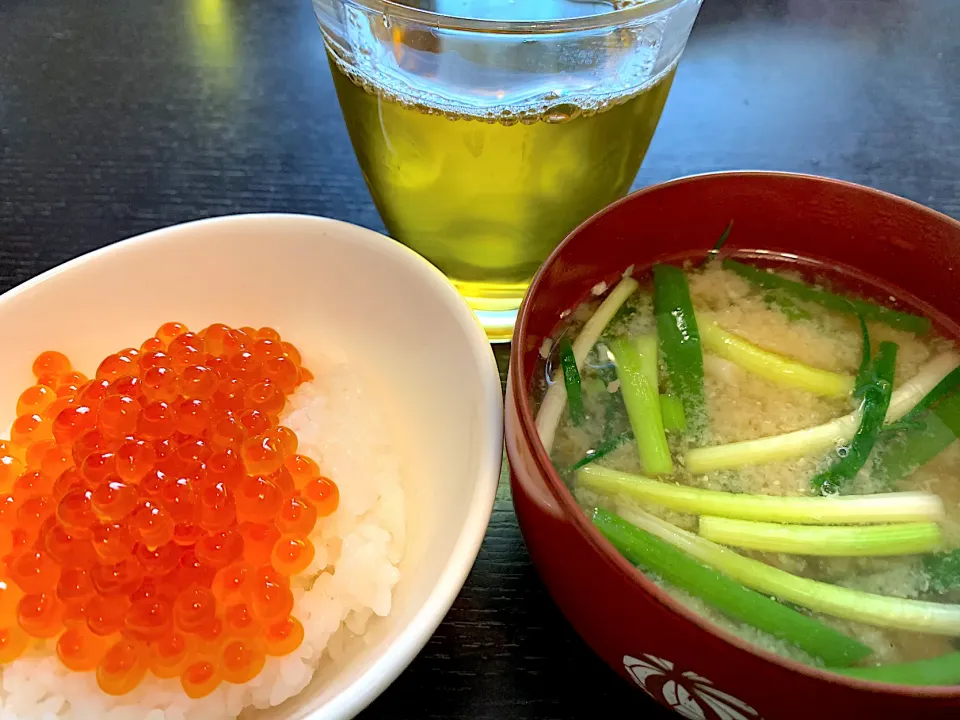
(776, 452)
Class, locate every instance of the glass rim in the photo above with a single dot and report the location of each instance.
(619, 16)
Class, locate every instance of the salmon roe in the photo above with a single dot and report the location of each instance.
(152, 517)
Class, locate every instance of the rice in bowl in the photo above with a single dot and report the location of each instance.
(349, 583)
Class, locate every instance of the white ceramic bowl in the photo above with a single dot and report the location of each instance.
(324, 284)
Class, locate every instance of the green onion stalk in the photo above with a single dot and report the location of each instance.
(879, 610)
(733, 599)
(876, 401)
(943, 670)
(921, 434)
(551, 409)
(636, 362)
(901, 507)
(907, 538)
(771, 366)
(821, 438)
(680, 342)
(801, 291)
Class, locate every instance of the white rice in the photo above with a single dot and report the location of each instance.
(350, 581)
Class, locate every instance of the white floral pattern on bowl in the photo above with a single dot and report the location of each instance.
(686, 693)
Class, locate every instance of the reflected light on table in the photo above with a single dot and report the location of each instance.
(213, 31)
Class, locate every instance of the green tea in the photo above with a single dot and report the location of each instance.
(487, 198)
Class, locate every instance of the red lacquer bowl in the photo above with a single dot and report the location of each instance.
(896, 246)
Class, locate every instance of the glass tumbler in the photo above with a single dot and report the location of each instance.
(488, 129)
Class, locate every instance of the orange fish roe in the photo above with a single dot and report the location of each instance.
(151, 517)
(200, 679)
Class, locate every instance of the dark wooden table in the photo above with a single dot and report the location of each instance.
(119, 117)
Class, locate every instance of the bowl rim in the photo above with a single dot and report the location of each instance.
(527, 426)
(411, 638)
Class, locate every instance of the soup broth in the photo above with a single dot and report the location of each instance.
(778, 366)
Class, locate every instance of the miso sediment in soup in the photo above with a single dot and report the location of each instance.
(778, 454)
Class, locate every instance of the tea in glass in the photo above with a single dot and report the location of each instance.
(486, 132)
